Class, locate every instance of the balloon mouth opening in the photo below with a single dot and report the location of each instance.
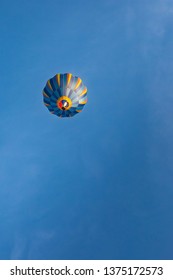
(64, 103)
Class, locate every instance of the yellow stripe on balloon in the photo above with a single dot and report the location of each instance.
(79, 81)
(83, 92)
(46, 104)
(49, 85)
(68, 78)
(84, 102)
(78, 111)
(58, 79)
(45, 94)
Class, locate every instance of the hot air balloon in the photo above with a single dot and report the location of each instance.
(65, 95)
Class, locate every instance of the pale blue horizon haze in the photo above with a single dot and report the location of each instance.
(98, 185)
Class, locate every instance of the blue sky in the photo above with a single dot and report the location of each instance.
(98, 185)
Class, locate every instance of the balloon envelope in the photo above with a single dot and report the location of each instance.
(65, 95)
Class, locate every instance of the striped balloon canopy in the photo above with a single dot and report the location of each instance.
(65, 95)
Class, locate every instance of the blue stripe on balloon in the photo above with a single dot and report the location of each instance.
(80, 107)
(55, 95)
(53, 98)
(72, 110)
(55, 83)
(57, 110)
(61, 80)
(52, 84)
(48, 91)
(53, 105)
(50, 109)
(58, 93)
(46, 100)
(65, 80)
